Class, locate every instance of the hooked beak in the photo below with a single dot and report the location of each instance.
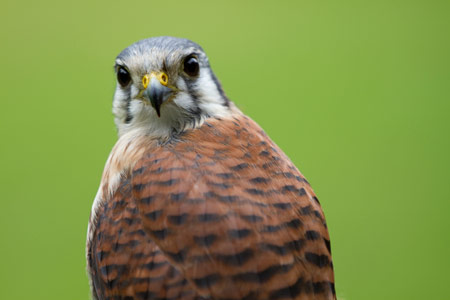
(156, 90)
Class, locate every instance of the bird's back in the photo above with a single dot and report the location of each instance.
(218, 212)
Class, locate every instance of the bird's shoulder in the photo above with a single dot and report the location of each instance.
(225, 154)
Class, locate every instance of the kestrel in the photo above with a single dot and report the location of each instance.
(196, 201)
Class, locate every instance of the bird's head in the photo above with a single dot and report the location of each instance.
(165, 85)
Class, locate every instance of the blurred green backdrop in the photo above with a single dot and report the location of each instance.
(356, 92)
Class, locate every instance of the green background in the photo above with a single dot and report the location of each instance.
(356, 92)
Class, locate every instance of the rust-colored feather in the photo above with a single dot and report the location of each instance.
(219, 212)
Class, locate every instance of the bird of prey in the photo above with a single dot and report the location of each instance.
(196, 201)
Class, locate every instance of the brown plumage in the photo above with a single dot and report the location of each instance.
(217, 212)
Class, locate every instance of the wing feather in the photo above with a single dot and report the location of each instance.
(232, 213)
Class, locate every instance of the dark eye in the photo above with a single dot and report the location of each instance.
(123, 76)
(191, 66)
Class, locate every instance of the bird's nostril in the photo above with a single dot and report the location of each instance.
(164, 79)
(145, 81)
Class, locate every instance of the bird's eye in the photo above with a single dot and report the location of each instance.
(191, 66)
(123, 77)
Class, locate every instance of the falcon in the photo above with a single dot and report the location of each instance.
(196, 201)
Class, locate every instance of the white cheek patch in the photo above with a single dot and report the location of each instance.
(184, 100)
(134, 91)
(210, 99)
(120, 105)
(181, 84)
(137, 109)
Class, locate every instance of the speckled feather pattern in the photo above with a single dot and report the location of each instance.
(218, 212)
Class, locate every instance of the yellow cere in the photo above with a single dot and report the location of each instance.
(161, 76)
